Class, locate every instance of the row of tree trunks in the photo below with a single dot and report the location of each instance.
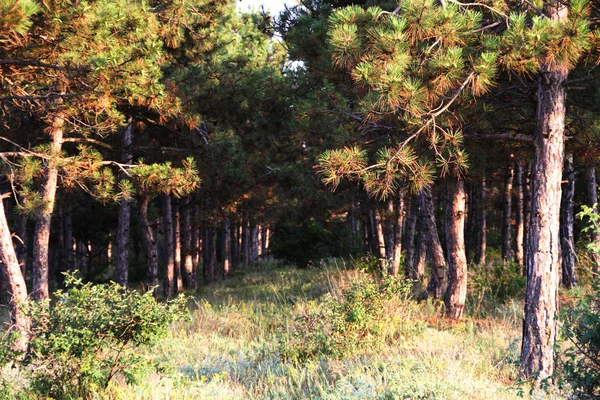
(567, 216)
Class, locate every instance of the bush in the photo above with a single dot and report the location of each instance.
(581, 361)
(85, 339)
(493, 284)
(364, 315)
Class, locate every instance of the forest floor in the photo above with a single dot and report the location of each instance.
(231, 348)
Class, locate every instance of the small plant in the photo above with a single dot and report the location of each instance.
(369, 264)
(364, 315)
(85, 339)
(494, 284)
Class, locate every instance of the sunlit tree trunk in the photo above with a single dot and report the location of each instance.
(519, 211)
(399, 211)
(21, 244)
(542, 259)
(186, 241)
(177, 247)
(226, 247)
(409, 238)
(456, 292)
(149, 242)
(380, 238)
(41, 234)
(19, 322)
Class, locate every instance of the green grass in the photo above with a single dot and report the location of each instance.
(230, 349)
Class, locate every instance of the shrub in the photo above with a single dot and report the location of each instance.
(80, 343)
(493, 284)
(364, 315)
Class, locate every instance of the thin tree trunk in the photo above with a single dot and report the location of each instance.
(212, 252)
(254, 243)
(592, 199)
(526, 210)
(566, 223)
(226, 247)
(235, 259)
(246, 239)
(420, 258)
(399, 217)
(456, 293)
(409, 238)
(520, 228)
(380, 238)
(167, 215)
(507, 213)
(19, 322)
(41, 234)
(542, 260)
(437, 280)
(481, 246)
(149, 242)
(122, 243)
(177, 247)
(470, 219)
(195, 236)
(186, 241)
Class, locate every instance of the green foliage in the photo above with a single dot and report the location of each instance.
(581, 360)
(369, 264)
(15, 16)
(581, 327)
(87, 337)
(361, 317)
(494, 284)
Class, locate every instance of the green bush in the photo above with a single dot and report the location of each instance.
(85, 339)
(364, 315)
(581, 360)
(494, 284)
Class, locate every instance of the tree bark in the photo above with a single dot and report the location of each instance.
(41, 234)
(226, 247)
(507, 213)
(186, 240)
(399, 211)
(481, 246)
(456, 292)
(149, 242)
(409, 238)
(19, 322)
(420, 258)
(567, 217)
(542, 259)
(592, 200)
(520, 228)
(380, 238)
(437, 280)
(122, 243)
(167, 215)
(177, 247)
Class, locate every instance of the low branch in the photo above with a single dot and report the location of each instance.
(88, 140)
(32, 63)
(500, 136)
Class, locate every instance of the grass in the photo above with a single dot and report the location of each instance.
(230, 349)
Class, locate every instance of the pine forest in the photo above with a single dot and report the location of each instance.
(348, 199)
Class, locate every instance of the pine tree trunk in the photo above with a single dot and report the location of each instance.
(235, 259)
(399, 212)
(254, 243)
(526, 209)
(11, 271)
(567, 217)
(542, 259)
(420, 258)
(520, 228)
(388, 231)
(149, 242)
(409, 238)
(437, 280)
(177, 247)
(246, 239)
(186, 241)
(469, 219)
(507, 214)
(481, 246)
(195, 238)
(592, 200)
(456, 293)
(122, 243)
(167, 215)
(41, 234)
(226, 247)
(380, 238)
(212, 252)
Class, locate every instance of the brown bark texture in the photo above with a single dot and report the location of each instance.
(456, 293)
(149, 242)
(567, 217)
(177, 247)
(122, 243)
(19, 322)
(507, 213)
(481, 239)
(41, 234)
(543, 244)
(399, 211)
(437, 280)
(167, 215)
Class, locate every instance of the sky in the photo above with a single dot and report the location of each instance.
(274, 6)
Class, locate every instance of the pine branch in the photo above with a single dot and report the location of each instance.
(32, 63)
(500, 136)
